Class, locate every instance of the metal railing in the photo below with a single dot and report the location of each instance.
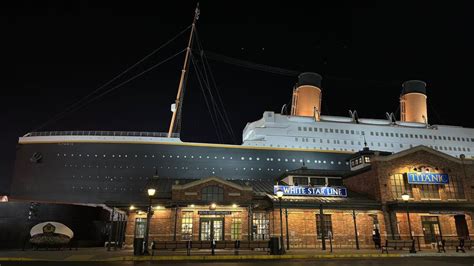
(101, 133)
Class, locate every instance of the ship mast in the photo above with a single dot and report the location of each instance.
(176, 109)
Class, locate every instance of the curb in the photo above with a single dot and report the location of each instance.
(216, 257)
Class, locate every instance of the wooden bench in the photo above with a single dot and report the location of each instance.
(460, 244)
(225, 244)
(398, 244)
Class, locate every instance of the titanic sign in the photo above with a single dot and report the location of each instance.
(427, 178)
(312, 191)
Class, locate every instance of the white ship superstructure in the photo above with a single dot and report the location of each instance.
(337, 133)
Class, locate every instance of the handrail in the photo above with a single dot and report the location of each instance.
(101, 133)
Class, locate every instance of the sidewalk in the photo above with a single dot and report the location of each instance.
(101, 254)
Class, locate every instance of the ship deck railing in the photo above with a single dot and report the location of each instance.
(101, 133)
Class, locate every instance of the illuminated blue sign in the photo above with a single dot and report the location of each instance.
(312, 191)
(427, 178)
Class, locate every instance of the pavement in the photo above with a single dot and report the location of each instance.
(101, 254)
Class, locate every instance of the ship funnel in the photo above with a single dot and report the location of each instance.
(413, 102)
(307, 96)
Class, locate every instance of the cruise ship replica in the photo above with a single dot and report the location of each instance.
(97, 166)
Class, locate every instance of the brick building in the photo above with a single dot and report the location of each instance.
(321, 207)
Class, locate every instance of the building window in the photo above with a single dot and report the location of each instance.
(454, 189)
(261, 226)
(300, 181)
(399, 185)
(428, 191)
(236, 227)
(318, 181)
(187, 226)
(212, 194)
(140, 225)
(334, 182)
(327, 226)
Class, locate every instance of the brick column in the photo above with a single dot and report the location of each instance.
(390, 219)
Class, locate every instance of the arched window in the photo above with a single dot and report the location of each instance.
(212, 194)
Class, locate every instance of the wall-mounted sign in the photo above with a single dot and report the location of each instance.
(312, 191)
(427, 178)
(214, 212)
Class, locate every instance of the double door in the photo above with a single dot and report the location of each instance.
(431, 228)
(211, 229)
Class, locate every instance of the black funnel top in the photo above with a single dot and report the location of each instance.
(309, 78)
(414, 86)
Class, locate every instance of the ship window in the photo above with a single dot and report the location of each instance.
(455, 149)
(426, 137)
(391, 135)
(386, 134)
(449, 138)
(401, 145)
(431, 137)
(296, 139)
(326, 130)
(345, 142)
(212, 194)
(310, 128)
(385, 144)
(396, 135)
(416, 136)
(320, 130)
(314, 140)
(391, 144)
(381, 134)
(352, 132)
(462, 139)
(468, 149)
(378, 144)
(331, 130)
(459, 139)
(401, 135)
(435, 137)
(328, 141)
(444, 137)
(376, 133)
(411, 135)
(371, 133)
(337, 130)
(464, 149)
(299, 128)
(352, 142)
(305, 129)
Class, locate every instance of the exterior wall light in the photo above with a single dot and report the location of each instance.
(212, 206)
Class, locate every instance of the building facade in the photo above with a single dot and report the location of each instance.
(320, 207)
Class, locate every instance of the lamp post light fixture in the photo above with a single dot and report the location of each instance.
(279, 195)
(405, 198)
(213, 206)
(151, 192)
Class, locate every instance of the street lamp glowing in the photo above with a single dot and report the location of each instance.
(151, 192)
(213, 206)
(279, 194)
(405, 196)
(234, 205)
(132, 207)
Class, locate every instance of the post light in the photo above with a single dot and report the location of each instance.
(132, 207)
(192, 206)
(279, 195)
(405, 198)
(151, 192)
(234, 206)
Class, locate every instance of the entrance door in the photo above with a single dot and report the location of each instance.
(461, 225)
(431, 229)
(211, 228)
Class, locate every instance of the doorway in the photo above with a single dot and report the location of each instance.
(211, 229)
(431, 228)
(461, 225)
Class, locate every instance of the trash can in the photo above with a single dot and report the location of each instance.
(274, 245)
(138, 246)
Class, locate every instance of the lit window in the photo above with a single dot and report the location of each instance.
(212, 194)
(187, 225)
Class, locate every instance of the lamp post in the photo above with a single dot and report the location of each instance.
(279, 195)
(405, 198)
(151, 192)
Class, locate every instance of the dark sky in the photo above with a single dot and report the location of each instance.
(56, 53)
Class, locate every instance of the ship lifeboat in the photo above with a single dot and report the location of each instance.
(410, 124)
(342, 119)
(374, 121)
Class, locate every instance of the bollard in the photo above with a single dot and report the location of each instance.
(188, 247)
(236, 247)
(213, 246)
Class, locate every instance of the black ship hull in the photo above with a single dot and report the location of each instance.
(95, 172)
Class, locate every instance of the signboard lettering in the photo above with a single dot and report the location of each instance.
(427, 178)
(214, 212)
(312, 191)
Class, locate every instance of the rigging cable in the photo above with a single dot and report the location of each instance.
(214, 122)
(69, 108)
(114, 88)
(223, 114)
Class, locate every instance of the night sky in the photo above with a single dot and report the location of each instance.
(56, 53)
